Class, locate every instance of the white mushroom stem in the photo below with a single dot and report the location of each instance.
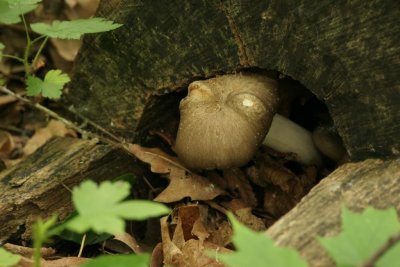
(286, 136)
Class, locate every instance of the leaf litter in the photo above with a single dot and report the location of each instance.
(258, 194)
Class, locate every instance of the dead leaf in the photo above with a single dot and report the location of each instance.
(246, 216)
(67, 49)
(238, 182)
(189, 238)
(157, 256)
(7, 99)
(27, 251)
(171, 253)
(126, 239)
(277, 202)
(183, 183)
(194, 255)
(42, 135)
(81, 9)
(222, 235)
(160, 161)
(6, 144)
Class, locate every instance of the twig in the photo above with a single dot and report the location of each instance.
(118, 143)
(95, 125)
(45, 110)
(392, 241)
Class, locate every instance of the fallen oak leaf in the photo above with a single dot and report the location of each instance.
(183, 183)
(159, 161)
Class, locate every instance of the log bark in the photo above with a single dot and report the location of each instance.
(39, 186)
(345, 52)
(355, 185)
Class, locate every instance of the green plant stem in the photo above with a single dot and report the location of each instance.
(370, 262)
(82, 245)
(40, 49)
(14, 57)
(28, 44)
(37, 244)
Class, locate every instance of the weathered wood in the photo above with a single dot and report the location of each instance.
(37, 187)
(346, 52)
(355, 185)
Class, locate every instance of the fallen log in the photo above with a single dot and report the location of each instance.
(354, 185)
(39, 186)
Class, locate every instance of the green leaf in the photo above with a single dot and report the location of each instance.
(362, 234)
(119, 261)
(257, 250)
(34, 85)
(102, 209)
(8, 259)
(10, 10)
(50, 87)
(1, 50)
(74, 29)
(40, 229)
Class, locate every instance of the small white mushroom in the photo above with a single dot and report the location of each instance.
(225, 119)
(286, 136)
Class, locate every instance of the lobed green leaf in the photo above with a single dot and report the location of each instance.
(101, 207)
(50, 87)
(11, 10)
(257, 250)
(8, 259)
(362, 234)
(74, 29)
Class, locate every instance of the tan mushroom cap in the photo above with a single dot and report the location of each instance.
(224, 120)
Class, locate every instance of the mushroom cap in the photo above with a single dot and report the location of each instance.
(224, 120)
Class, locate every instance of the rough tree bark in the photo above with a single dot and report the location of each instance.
(346, 52)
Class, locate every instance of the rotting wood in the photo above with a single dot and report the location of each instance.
(345, 52)
(355, 185)
(38, 186)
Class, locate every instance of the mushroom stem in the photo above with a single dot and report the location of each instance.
(286, 136)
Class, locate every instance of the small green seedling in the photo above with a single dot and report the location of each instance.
(12, 11)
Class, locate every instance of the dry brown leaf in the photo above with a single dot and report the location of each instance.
(6, 143)
(188, 185)
(237, 182)
(193, 254)
(81, 9)
(65, 262)
(41, 136)
(27, 251)
(67, 49)
(222, 235)
(160, 161)
(157, 258)
(126, 239)
(246, 216)
(189, 238)
(187, 215)
(183, 183)
(7, 99)
(277, 202)
(171, 253)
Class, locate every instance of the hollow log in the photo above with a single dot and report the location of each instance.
(39, 186)
(345, 52)
(355, 185)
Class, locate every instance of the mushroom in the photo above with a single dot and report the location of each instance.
(225, 119)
